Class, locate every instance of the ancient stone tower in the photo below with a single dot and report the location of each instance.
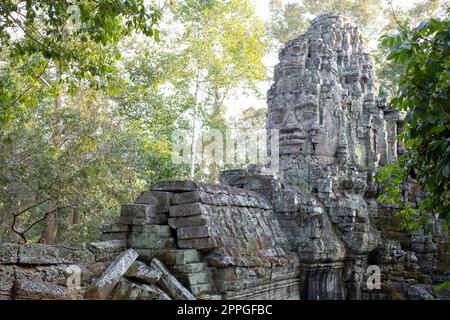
(311, 229)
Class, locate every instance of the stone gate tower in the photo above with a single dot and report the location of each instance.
(311, 229)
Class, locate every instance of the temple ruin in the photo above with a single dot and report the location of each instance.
(308, 231)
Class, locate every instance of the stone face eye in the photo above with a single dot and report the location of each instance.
(305, 113)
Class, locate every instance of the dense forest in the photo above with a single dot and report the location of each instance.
(91, 93)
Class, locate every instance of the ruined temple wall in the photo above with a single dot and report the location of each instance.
(234, 245)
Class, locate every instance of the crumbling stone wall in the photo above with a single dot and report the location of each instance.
(308, 231)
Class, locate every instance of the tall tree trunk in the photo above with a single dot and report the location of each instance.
(50, 229)
(194, 128)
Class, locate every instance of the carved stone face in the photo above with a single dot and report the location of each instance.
(307, 125)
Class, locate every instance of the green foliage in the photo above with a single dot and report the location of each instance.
(291, 20)
(87, 112)
(424, 88)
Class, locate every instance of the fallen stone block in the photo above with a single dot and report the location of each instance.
(107, 250)
(151, 292)
(120, 290)
(147, 255)
(102, 287)
(9, 253)
(32, 290)
(199, 243)
(190, 209)
(193, 232)
(170, 284)
(182, 222)
(140, 272)
(37, 254)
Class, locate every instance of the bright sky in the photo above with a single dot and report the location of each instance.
(241, 102)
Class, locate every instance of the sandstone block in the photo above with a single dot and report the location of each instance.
(9, 253)
(191, 279)
(170, 284)
(181, 222)
(194, 232)
(149, 241)
(37, 253)
(199, 243)
(159, 198)
(32, 290)
(189, 268)
(102, 287)
(138, 210)
(107, 250)
(140, 272)
(190, 209)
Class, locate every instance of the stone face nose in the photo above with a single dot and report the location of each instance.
(290, 121)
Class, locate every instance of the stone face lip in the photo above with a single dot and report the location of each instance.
(141, 272)
(170, 284)
(32, 290)
(102, 287)
(41, 254)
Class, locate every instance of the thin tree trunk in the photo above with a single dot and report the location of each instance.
(194, 129)
(50, 229)
(75, 216)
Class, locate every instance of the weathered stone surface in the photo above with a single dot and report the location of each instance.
(159, 198)
(191, 279)
(142, 273)
(149, 241)
(181, 222)
(9, 253)
(156, 230)
(37, 254)
(190, 209)
(102, 287)
(199, 243)
(107, 250)
(33, 290)
(170, 284)
(312, 228)
(201, 289)
(189, 268)
(144, 211)
(6, 280)
(194, 232)
(150, 292)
